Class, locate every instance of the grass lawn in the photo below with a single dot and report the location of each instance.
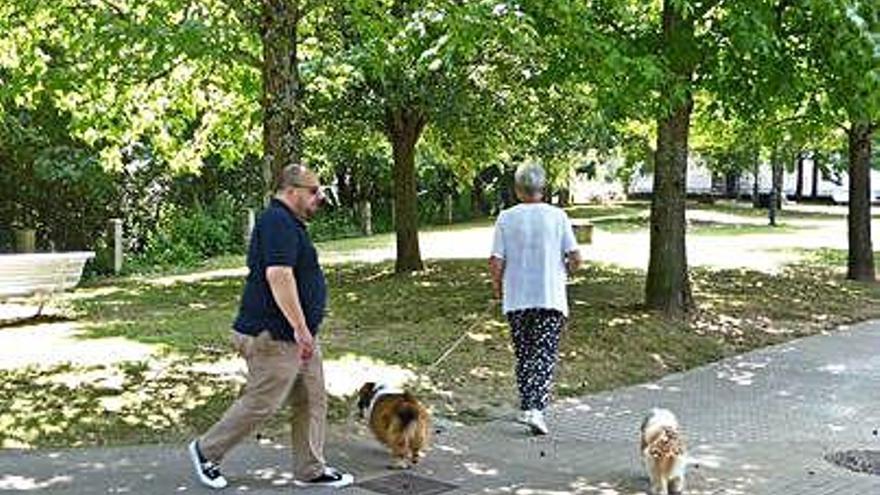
(408, 321)
(634, 216)
(704, 228)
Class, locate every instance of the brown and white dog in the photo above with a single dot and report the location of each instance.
(398, 420)
(663, 451)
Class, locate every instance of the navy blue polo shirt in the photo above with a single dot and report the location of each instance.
(280, 239)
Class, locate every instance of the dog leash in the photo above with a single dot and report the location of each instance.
(490, 308)
(480, 318)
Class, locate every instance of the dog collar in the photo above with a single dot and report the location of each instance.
(380, 391)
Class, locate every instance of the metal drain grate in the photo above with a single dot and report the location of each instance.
(406, 484)
(860, 461)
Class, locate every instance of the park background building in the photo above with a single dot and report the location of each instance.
(816, 184)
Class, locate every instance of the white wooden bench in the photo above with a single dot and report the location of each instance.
(40, 273)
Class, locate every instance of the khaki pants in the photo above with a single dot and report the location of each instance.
(276, 374)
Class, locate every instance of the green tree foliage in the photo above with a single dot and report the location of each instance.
(453, 66)
(658, 59)
(838, 44)
(150, 107)
(133, 94)
(178, 76)
(52, 182)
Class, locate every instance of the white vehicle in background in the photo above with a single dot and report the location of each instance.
(702, 181)
(841, 196)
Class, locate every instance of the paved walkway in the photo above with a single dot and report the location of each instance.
(757, 424)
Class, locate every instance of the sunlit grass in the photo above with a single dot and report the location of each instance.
(734, 229)
(123, 404)
(599, 211)
(634, 216)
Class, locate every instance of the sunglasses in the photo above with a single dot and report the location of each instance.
(313, 190)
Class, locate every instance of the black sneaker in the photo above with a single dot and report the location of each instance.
(330, 478)
(206, 471)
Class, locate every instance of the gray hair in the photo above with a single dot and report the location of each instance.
(292, 176)
(530, 178)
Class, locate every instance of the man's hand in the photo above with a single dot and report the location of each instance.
(283, 285)
(306, 344)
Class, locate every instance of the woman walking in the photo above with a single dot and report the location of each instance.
(533, 251)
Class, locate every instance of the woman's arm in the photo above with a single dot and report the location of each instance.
(496, 268)
(573, 261)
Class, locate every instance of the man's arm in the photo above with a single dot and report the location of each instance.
(283, 285)
(496, 268)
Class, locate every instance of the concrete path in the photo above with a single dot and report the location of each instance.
(759, 423)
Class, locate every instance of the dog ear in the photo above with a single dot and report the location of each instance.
(365, 394)
(367, 389)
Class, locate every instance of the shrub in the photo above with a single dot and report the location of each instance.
(186, 236)
(334, 224)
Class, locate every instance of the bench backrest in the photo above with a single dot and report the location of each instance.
(38, 273)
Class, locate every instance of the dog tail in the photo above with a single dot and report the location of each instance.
(408, 417)
(407, 414)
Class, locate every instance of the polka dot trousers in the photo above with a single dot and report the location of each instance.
(535, 335)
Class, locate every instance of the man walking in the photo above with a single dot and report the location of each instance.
(276, 333)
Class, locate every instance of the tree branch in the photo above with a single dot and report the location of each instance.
(779, 10)
(246, 58)
(307, 6)
(116, 8)
(159, 75)
(706, 7)
(248, 16)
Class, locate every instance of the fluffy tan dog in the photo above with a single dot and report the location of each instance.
(398, 420)
(663, 451)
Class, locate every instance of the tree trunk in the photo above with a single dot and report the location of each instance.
(771, 206)
(775, 201)
(815, 190)
(564, 197)
(282, 115)
(778, 178)
(478, 201)
(404, 126)
(365, 215)
(756, 189)
(667, 287)
(731, 185)
(345, 191)
(861, 253)
(799, 189)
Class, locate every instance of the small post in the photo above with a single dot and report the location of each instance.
(448, 199)
(25, 240)
(771, 208)
(116, 226)
(249, 224)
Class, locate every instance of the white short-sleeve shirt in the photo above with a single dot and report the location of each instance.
(532, 239)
